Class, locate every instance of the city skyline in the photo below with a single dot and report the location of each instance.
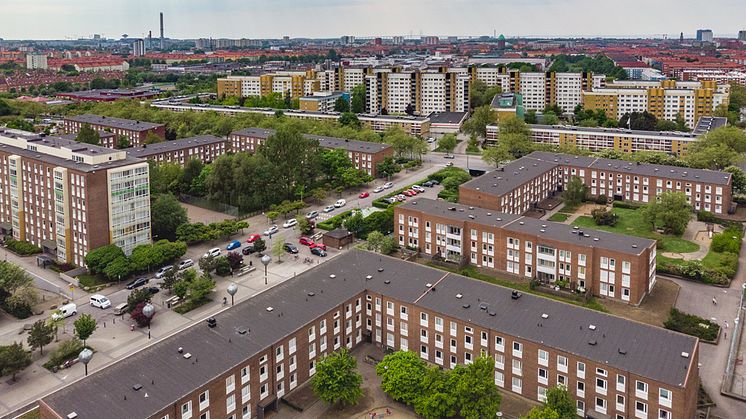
(185, 19)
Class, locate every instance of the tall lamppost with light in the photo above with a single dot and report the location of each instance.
(232, 289)
(265, 261)
(148, 311)
(85, 357)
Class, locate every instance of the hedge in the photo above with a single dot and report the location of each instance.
(69, 349)
(334, 222)
(22, 248)
(627, 204)
(692, 325)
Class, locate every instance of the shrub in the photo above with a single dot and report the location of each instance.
(692, 325)
(626, 204)
(601, 200)
(20, 247)
(69, 349)
(190, 305)
(603, 217)
(728, 241)
(334, 222)
(706, 217)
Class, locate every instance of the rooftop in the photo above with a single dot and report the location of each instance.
(510, 176)
(447, 117)
(250, 327)
(74, 135)
(109, 121)
(169, 146)
(324, 141)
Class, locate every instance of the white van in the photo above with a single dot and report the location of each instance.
(214, 252)
(66, 311)
(98, 300)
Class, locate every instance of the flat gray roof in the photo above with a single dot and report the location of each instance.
(706, 124)
(120, 123)
(447, 117)
(510, 176)
(254, 132)
(74, 135)
(324, 141)
(619, 131)
(169, 146)
(543, 229)
(643, 169)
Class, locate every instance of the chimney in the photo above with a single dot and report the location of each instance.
(161, 30)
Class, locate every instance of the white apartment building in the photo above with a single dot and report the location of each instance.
(534, 91)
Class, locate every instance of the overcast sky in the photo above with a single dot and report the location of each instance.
(60, 19)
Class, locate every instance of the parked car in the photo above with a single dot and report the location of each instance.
(392, 200)
(214, 252)
(449, 156)
(429, 184)
(388, 185)
(434, 182)
(235, 244)
(401, 197)
(449, 164)
(153, 290)
(340, 203)
(98, 300)
(253, 237)
(290, 223)
(321, 246)
(407, 193)
(120, 309)
(431, 140)
(159, 274)
(378, 189)
(186, 263)
(272, 230)
(363, 195)
(318, 251)
(248, 250)
(329, 208)
(418, 188)
(139, 282)
(305, 241)
(290, 248)
(311, 215)
(66, 311)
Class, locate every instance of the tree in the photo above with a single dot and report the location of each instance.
(294, 160)
(388, 245)
(666, 125)
(739, 179)
(304, 225)
(550, 118)
(575, 191)
(475, 390)
(355, 223)
(16, 291)
(170, 277)
(560, 400)
(13, 358)
(40, 334)
(222, 266)
(341, 105)
(480, 118)
(192, 170)
(164, 177)
(388, 167)
(200, 287)
(543, 412)
(643, 121)
(710, 156)
(447, 143)
(235, 260)
(349, 119)
(336, 380)
(119, 268)
(260, 245)
(530, 117)
(671, 211)
(318, 194)
(495, 155)
(137, 297)
(152, 138)
(180, 288)
(481, 94)
(88, 135)
(437, 399)
(99, 258)
(139, 317)
(278, 247)
(85, 325)
(166, 216)
(402, 375)
(358, 99)
(375, 241)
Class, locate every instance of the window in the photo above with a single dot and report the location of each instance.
(664, 397)
(499, 344)
(517, 367)
(561, 363)
(601, 386)
(245, 375)
(664, 414)
(620, 382)
(601, 405)
(205, 415)
(601, 372)
(543, 357)
(246, 412)
(581, 370)
(543, 376)
(186, 410)
(517, 385)
(204, 400)
(581, 389)
(230, 404)
(641, 390)
(230, 383)
(517, 349)
(641, 410)
(245, 393)
(620, 402)
(542, 394)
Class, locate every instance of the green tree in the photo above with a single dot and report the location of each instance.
(495, 155)
(375, 241)
(739, 179)
(304, 225)
(543, 412)
(167, 215)
(358, 99)
(388, 167)
(278, 247)
(560, 400)
(164, 177)
(88, 135)
(350, 119)
(294, 157)
(200, 287)
(530, 117)
(710, 156)
(480, 118)
(447, 143)
(475, 390)
(550, 118)
(388, 245)
(152, 138)
(341, 105)
(260, 245)
(402, 374)
(222, 266)
(118, 268)
(666, 125)
(336, 380)
(481, 94)
(355, 224)
(192, 170)
(318, 194)
(575, 191)
(13, 358)
(99, 258)
(180, 289)
(85, 325)
(171, 277)
(40, 334)
(437, 399)
(671, 211)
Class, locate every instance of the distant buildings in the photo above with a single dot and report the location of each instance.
(506, 105)
(110, 95)
(704, 35)
(742, 36)
(69, 198)
(36, 61)
(322, 101)
(135, 132)
(205, 148)
(138, 48)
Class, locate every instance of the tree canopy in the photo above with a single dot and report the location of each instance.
(166, 216)
(336, 380)
(671, 212)
(88, 135)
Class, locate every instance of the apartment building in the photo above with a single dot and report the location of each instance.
(613, 367)
(106, 139)
(605, 264)
(364, 155)
(706, 190)
(296, 83)
(322, 101)
(135, 132)
(667, 99)
(513, 188)
(542, 89)
(399, 91)
(68, 198)
(204, 148)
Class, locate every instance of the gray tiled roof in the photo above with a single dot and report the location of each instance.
(510, 176)
(324, 141)
(447, 117)
(169, 146)
(166, 376)
(120, 123)
(643, 169)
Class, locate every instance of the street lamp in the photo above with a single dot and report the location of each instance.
(148, 311)
(265, 261)
(85, 357)
(232, 288)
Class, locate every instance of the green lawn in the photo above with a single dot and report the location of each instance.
(631, 223)
(88, 281)
(558, 216)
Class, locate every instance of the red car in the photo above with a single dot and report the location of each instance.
(252, 238)
(407, 193)
(363, 195)
(321, 246)
(306, 241)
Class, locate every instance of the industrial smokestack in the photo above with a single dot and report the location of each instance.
(161, 30)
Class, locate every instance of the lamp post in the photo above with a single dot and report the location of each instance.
(148, 311)
(85, 357)
(232, 288)
(265, 261)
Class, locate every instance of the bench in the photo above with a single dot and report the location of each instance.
(245, 270)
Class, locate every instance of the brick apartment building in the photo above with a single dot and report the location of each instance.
(364, 155)
(106, 139)
(271, 343)
(204, 148)
(134, 131)
(605, 264)
(522, 183)
(68, 198)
